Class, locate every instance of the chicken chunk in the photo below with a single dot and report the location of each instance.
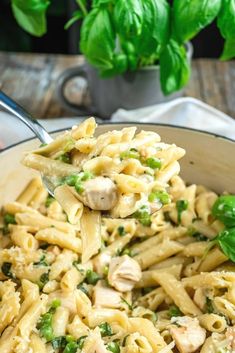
(99, 194)
(94, 343)
(104, 297)
(189, 336)
(124, 273)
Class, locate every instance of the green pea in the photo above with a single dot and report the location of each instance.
(143, 216)
(154, 163)
(71, 347)
(162, 196)
(71, 179)
(79, 187)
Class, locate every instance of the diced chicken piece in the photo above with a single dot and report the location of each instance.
(99, 194)
(104, 297)
(230, 335)
(124, 273)
(100, 261)
(189, 336)
(94, 343)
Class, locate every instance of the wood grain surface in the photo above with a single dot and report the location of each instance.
(31, 80)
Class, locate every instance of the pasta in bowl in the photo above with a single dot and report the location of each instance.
(102, 282)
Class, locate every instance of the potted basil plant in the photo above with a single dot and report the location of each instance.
(137, 51)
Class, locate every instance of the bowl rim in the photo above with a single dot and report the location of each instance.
(130, 123)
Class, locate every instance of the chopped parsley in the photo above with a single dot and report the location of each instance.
(6, 270)
(174, 311)
(49, 201)
(131, 153)
(181, 205)
(43, 280)
(121, 231)
(65, 158)
(45, 323)
(105, 329)
(41, 262)
(130, 306)
(209, 306)
(92, 277)
(113, 347)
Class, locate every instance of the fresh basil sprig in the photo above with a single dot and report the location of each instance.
(31, 15)
(226, 24)
(224, 210)
(226, 241)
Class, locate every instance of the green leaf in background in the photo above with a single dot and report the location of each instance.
(191, 16)
(155, 28)
(98, 39)
(31, 15)
(77, 15)
(174, 67)
(229, 49)
(128, 17)
(226, 24)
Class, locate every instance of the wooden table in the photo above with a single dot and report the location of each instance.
(31, 80)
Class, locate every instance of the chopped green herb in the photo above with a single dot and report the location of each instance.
(43, 145)
(174, 311)
(209, 306)
(79, 187)
(41, 262)
(81, 341)
(224, 210)
(113, 347)
(154, 163)
(132, 153)
(6, 270)
(9, 219)
(92, 277)
(83, 289)
(130, 307)
(162, 196)
(147, 290)
(54, 305)
(226, 241)
(59, 342)
(127, 251)
(181, 205)
(44, 246)
(64, 158)
(76, 264)
(143, 216)
(5, 230)
(121, 231)
(49, 201)
(105, 329)
(43, 280)
(199, 237)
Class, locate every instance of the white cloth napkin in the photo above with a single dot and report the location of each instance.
(187, 112)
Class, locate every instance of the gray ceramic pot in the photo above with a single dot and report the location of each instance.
(129, 91)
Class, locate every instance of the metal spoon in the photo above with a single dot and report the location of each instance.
(8, 104)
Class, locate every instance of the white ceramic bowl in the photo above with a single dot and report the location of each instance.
(209, 159)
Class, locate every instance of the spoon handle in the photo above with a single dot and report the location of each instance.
(13, 107)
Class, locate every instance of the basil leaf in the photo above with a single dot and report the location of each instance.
(174, 67)
(226, 24)
(31, 15)
(229, 49)
(128, 17)
(155, 12)
(226, 19)
(224, 210)
(191, 16)
(226, 241)
(98, 39)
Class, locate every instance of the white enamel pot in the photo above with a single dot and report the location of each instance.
(210, 159)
